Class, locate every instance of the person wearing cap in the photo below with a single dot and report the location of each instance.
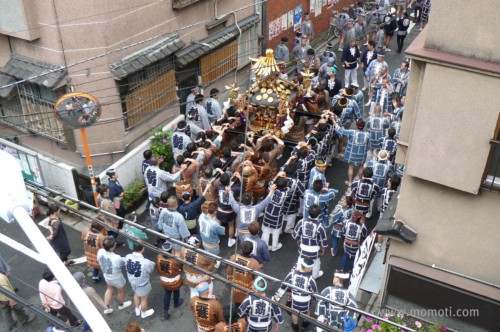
(333, 314)
(390, 26)
(190, 98)
(320, 195)
(301, 278)
(92, 238)
(300, 53)
(139, 270)
(354, 233)
(156, 179)
(206, 309)
(376, 125)
(193, 276)
(350, 110)
(181, 137)
(311, 238)
(169, 271)
(213, 107)
(111, 266)
(246, 212)
(262, 316)
(364, 191)
(211, 230)
(357, 147)
(13, 315)
(173, 225)
(243, 278)
(116, 192)
(339, 216)
(307, 27)
(53, 300)
(282, 53)
(368, 56)
(190, 209)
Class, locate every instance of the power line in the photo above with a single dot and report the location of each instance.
(44, 191)
(95, 57)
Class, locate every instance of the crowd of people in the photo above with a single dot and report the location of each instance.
(230, 184)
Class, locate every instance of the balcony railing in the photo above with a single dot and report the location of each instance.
(492, 174)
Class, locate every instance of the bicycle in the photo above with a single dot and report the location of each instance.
(336, 25)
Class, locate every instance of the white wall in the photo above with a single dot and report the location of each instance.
(129, 167)
(58, 176)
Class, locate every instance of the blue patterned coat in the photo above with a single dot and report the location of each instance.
(376, 126)
(357, 145)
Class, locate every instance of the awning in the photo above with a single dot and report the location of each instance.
(43, 73)
(4, 80)
(142, 58)
(194, 51)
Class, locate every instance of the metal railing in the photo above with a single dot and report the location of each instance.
(492, 173)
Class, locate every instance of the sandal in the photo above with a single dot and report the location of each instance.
(332, 252)
(70, 262)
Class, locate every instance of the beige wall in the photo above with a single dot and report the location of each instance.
(456, 230)
(465, 27)
(449, 125)
(104, 26)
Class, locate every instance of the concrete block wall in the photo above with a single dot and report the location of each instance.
(129, 167)
(58, 176)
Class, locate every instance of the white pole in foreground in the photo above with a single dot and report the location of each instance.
(14, 204)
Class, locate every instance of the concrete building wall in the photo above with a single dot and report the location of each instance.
(456, 230)
(469, 28)
(102, 27)
(451, 126)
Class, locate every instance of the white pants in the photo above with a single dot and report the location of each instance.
(266, 232)
(290, 220)
(316, 266)
(351, 74)
(210, 289)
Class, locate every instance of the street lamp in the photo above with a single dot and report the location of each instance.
(14, 205)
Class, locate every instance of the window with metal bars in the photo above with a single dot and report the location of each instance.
(492, 171)
(219, 62)
(33, 110)
(147, 92)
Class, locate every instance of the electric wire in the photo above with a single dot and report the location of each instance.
(44, 192)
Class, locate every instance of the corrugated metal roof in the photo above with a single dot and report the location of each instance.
(146, 56)
(25, 68)
(194, 51)
(4, 80)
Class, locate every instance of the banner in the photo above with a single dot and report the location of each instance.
(297, 18)
(290, 19)
(361, 263)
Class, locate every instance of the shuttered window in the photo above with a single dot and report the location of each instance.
(219, 62)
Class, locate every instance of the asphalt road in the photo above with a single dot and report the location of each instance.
(26, 272)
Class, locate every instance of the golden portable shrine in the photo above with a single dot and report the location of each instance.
(272, 98)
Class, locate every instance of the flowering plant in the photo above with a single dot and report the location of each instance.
(161, 148)
(371, 325)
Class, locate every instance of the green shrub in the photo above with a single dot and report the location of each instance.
(133, 193)
(162, 149)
